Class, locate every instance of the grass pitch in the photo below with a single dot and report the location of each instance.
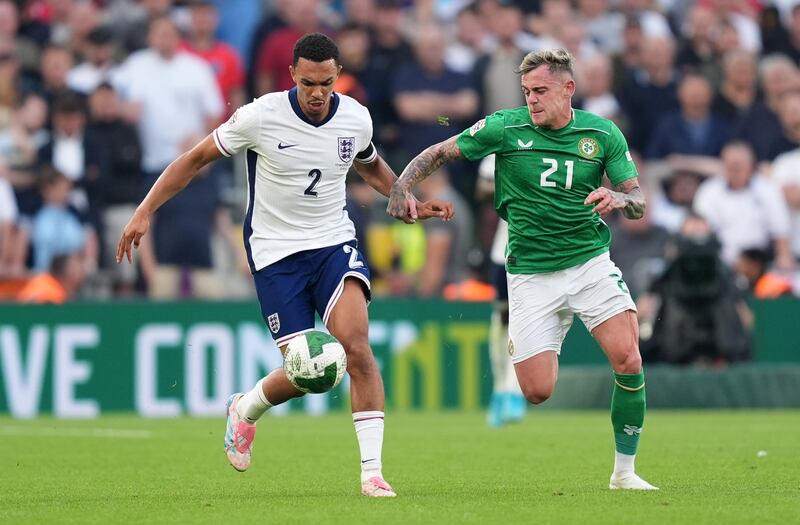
(446, 468)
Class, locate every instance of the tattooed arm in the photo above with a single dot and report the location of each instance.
(402, 204)
(628, 197)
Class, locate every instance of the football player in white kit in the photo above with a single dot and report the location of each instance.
(300, 242)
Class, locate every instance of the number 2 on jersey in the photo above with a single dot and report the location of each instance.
(317, 175)
(552, 169)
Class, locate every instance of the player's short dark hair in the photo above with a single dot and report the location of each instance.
(317, 48)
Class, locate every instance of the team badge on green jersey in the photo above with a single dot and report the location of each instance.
(588, 147)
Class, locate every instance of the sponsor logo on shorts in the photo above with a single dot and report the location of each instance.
(510, 347)
(274, 322)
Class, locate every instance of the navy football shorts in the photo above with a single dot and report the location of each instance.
(292, 289)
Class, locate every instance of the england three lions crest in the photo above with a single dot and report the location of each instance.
(274, 323)
(347, 148)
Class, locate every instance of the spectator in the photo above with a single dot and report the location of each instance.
(388, 52)
(57, 228)
(495, 71)
(744, 209)
(630, 58)
(760, 125)
(596, 95)
(83, 18)
(98, 66)
(789, 132)
(573, 38)
(786, 173)
(426, 90)
(135, 30)
(779, 75)
(737, 97)
(274, 19)
(651, 91)
(222, 58)
(470, 43)
(8, 224)
(275, 55)
(774, 36)
(359, 12)
(353, 42)
(670, 207)
(697, 51)
(78, 156)
(741, 18)
(119, 141)
(447, 243)
(604, 27)
(23, 133)
(638, 247)
(56, 64)
(23, 48)
(59, 285)
(182, 264)
(728, 40)
(174, 113)
(238, 22)
(694, 130)
(753, 266)
(553, 15)
(653, 23)
(793, 48)
(19, 145)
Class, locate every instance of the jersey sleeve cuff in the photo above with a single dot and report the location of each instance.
(368, 155)
(220, 146)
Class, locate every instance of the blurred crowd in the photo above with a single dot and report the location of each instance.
(98, 96)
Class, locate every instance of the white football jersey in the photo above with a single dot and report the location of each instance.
(296, 172)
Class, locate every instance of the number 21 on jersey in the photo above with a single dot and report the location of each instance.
(553, 168)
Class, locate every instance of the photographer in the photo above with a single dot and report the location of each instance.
(701, 315)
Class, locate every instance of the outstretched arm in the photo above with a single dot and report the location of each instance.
(177, 176)
(381, 177)
(628, 197)
(402, 204)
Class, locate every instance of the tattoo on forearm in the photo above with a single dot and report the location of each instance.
(634, 200)
(429, 161)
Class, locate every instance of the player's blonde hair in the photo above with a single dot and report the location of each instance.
(557, 60)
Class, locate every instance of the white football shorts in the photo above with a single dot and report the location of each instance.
(541, 305)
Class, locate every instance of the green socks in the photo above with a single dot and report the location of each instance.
(627, 411)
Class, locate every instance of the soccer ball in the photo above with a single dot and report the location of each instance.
(314, 362)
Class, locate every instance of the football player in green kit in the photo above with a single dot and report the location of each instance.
(550, 164)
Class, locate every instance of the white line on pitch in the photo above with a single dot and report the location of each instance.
(114, 433)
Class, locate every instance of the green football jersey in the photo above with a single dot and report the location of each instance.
(542, 177)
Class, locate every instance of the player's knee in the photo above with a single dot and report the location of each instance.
(537, 394)
(630, 362)
(360, 361)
